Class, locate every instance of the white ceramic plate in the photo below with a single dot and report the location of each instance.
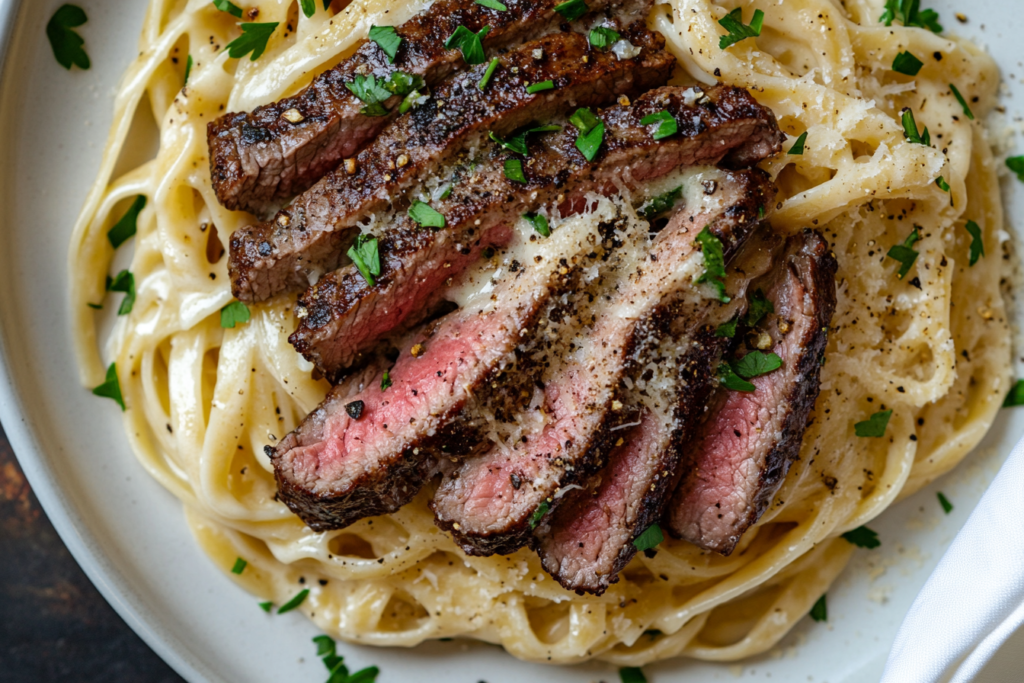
(129, 534)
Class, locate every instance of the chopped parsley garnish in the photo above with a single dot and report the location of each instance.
(253, 40)
(1016, 396)
(294, 602)
(240, 566)
(977, 244)
(367, 675)
(425, 216)
(820, 610)
(632, 674)
(127, 226)
(123, 282)
(572, 10)
(798, 147)
(874, 426)
(943, 185)
(727, 330)
(585, 120)
(233, 314)
(266, 606)
(385, 380)
(730, 380)
(540, 87)
(908, 12)
(714, 263)
(733, 23)
(188, 69)
(907, 64)
(1016, 164)
(468, 43)
(603, 37)
(514, 170)
(756, 363)
(963, 103)
(591, 129)
(947, 507)
(517, 142)
(66, 44)
(355, 409)
(325, 646)
(538, 514)
(229, 7)
(492, 4)
(308, 7)
(98, 307)
(539, 223)
(760, 306)
(491, 68)
(111, 387)
(366, 257)
(387, 39)
(667, 124)
(910, 129)
(661, 203)
(863, 537)
(371, 92)
(905, 254)
(650, 538)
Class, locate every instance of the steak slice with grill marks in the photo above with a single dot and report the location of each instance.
(749, 440)
(590, 538)
(309, 236)
(280, 149)
(342, 316)
(491, 504)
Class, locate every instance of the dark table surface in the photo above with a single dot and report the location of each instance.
(54, 625)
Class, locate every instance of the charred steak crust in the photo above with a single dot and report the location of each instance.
(344, 316)
(262, 157)
(805, 276)
(310, 234)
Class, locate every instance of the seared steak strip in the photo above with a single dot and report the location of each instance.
(748, 440)
(479, 502)
(281, 149)
(309, 235)
(342, 316)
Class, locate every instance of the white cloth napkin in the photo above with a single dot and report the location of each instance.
(974, 600)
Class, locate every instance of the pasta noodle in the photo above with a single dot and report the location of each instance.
(203, 401)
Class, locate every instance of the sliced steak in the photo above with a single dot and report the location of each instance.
(748, 440)
(337, 468)
(309, 235)
(342, 316)
(479, 502)
(280, 149)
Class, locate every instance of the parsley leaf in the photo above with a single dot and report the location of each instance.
(233, 314)
(911, 132)
(947, 507)
(963, 103)
(540, 87)
(863, 537)
(756, 363)
(254, 39)
(492, 4)
(943, 185)
(425, 216)
(667, 124)
(820, 610)
(491, 68)
(266, 606)
(229, 7)
(904, 253)
(632, 675)
(908, 12)
(123, 282)
(325, 645)
(603, 37)
(1016, 164)
(240, 566)
(308, 7)
(127, 226)
(387, 39)
(590, 143)
(366, 257)
(585, 120)
(469, 43)
(714, 263)
(188, 69)
(371, 92)
(650, 538)
(760, 306)
(294, 602)
(539, 223)
(514, 170)
(728, 330)
(1016, 396)
(733, 23)
(111, 387)
(874, 426)
(66, 44)
(367, 675)
(977, 244)
(517, 142)
(538, 514)
(730, 380)
(661, 203)
(798, 147)
(385, 380)
(907, 64)
(572, 10)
